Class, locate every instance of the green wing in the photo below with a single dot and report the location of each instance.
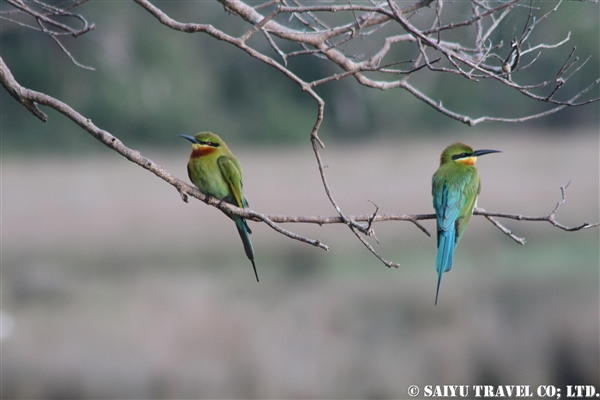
(233, 176)
(232, 173)
(454, 195)
(470, 192)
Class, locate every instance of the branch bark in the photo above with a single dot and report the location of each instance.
(358, 224)
(50, 20)
(318, 39)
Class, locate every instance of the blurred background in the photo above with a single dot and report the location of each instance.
(112, 287)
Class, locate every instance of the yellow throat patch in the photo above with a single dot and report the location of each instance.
(467, 161)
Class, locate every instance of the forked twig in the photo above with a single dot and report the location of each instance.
(321, 38)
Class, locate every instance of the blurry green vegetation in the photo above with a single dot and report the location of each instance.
(152, 83)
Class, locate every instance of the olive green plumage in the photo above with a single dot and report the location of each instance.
(455, 187)
(214, 170)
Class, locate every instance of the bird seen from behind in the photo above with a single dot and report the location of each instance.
(455, 187)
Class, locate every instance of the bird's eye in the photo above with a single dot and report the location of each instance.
(460, 155)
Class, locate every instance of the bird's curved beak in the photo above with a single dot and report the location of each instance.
(476, 153)
(190, 138)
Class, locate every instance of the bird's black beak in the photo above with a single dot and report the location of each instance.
(476, 153)
(190, 138)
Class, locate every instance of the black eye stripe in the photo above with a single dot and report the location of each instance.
(461, 155)
(208, 143)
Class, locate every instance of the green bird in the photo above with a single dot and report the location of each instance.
(455, 187)
(214, 170)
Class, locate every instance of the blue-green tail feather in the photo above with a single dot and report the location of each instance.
(244, 231)
(443, 263)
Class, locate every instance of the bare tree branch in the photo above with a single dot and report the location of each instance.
(321, 38)
(317, 39)
(551, 218)
(48, 17)
(30, 99)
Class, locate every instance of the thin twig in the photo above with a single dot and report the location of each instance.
(51, 18)
(26, 97)
(318, 38)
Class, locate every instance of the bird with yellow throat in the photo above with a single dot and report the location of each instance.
(455, 187)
